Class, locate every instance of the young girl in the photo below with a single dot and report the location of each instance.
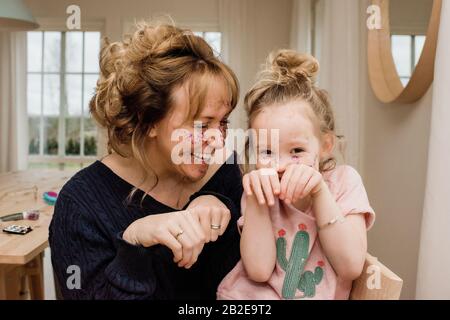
(304, 219)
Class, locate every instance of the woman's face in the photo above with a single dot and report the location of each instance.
(186, 147)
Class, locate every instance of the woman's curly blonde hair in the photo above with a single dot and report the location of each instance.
(288, 75)
(138, 76)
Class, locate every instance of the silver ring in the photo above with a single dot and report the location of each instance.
(179, 234)
(215, 226)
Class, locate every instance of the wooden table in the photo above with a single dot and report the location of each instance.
(21, 256)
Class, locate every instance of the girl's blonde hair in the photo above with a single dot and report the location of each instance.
(138, 76)
(286, 76)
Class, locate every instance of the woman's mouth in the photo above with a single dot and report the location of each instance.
(201, 158)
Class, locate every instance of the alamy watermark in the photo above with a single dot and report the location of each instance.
(198, 146)
(374, 20)
(74, 279)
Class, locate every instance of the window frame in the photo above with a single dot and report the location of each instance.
(59, 25)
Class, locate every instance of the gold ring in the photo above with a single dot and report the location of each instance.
(179, 234)
(215, 226)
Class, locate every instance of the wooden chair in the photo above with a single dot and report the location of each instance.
(376, 282)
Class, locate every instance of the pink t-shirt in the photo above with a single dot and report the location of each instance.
(302, 270)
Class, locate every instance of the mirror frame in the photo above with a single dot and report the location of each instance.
(383, 74)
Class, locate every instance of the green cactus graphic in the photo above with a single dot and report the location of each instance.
(309, 280)
(296, 277)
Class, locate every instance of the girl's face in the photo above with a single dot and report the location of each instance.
(186, 147)
(297, 141)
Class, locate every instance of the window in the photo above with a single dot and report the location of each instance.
(62, 73)
(406, 50)
(213, 38)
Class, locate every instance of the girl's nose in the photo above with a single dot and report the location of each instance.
(280, 173)
(282, 164)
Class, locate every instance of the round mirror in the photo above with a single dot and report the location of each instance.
(401, 49)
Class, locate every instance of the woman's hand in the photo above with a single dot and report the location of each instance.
(299, 181)
(212, 215)
(180, 231)
(263, 183)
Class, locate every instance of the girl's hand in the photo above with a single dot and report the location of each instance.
(263, 183)
(299, 181)
(212, 215)
(180, 231)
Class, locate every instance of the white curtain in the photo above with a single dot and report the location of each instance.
(237, 45)
(433, 276)
(337, 46)
(250, 30)
(13, 112)
(301, 26)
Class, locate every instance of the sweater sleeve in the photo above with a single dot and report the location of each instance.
(107, 269)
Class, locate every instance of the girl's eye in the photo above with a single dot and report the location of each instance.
(266, 152)
(298, 150)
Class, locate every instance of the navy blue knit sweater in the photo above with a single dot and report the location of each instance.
(91, 214)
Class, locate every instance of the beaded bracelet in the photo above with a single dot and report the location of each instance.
(339, 218)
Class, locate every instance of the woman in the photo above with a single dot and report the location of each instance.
(153, 219)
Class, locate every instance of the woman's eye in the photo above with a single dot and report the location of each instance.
(201, 127)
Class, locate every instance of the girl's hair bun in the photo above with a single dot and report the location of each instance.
(291, 65)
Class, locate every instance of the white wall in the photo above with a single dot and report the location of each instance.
(115, 13)
(394, 167)
(434, 257)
